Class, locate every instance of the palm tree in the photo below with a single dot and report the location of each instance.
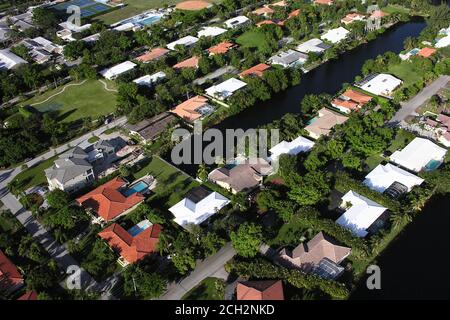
(400, 219)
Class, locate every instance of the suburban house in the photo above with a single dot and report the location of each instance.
(237, 22)
(362, 216)
(198, 205)
(292, 148)
(210, 32)
(115, 71)
(321, 255)
(187, 41)
(111, 200)
(378, 14)
(79, 166)
(380, 84)
(313, 45)
(440, 126)
(265, 11)
(40, 49)
(351, 100)
(352, 17)
(335, 35)
(260, 290)
(9, 60)
(150, 129)
(191, 62)
(225, 89)
(10, 277)
(289, 59)
(29, 295)
(257, 70)
(242, 177)
(133, 244)
(152, 55)
(150, 80)
(325, 2)
(426, 52)
(420, 154)
(324, 123)
(221, 48)
(193, 109)
(391, 179)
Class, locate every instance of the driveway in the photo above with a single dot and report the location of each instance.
(211, 266)
(409, 108)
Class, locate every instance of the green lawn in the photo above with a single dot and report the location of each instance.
(208, 289)
(402, 138)
(406, 72)
(33, 176)
(89, 99)
(395, 8)
(171, 183)
(253, 39)
(373, 161)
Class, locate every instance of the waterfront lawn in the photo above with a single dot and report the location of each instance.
(402, 138)
(33, 176)
(172, 184)
(395, 8)
(253, 39)
(208, 289)
(89, 99)
(406, 72)
(373, 161)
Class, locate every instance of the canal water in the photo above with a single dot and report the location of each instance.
(417, 264)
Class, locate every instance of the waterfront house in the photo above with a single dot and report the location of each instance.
(351, 100)
(292, 148)
(225, 89)
(257, 70)
(241, 177)
(420, 154)
(335, 35)
(198, 205)
(111, 200)
(134, 244)
(317, 253)
(380, 84)
(260, 290)
(362, 215)
(324, 123)
(313, 45)
(193, 109)
(288, 59)
(149, 129)
(352, 17)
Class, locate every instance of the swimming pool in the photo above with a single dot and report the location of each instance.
(137, 229)
(141, 186)
(150, 20)
(432, 165)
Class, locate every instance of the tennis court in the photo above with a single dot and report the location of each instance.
(88, 7)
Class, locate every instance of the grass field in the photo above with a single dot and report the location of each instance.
(89, 99)
(208, 289)
(395, 8)
(171, 183)
(33, 176)
(252, 39)
(405, 71)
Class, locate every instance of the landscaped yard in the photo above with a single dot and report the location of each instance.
(89, 99)
(395, 8)
(402, 138)
(33, 176)
(253, 39)
(208, 289)
(406, 72)
(171, 183)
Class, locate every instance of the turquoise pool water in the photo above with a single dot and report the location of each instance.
(138, 187)
(432, 165)
(150, 20)
(312, 120)
(135, 230)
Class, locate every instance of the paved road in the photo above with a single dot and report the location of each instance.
(409, 108)
(204, 269)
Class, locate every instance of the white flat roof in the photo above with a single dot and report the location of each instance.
(225, 89)
(443, 42)
(361, 215)
(124, 27)
(148, 80)
(418, 154)
(110, 73)
(312, 45)
(294, 147)
(186, 211)
(185, 41)
(382, 84)
(9, 60)
(382, 177)
(236, 21)
(210, 32)
(335, 35)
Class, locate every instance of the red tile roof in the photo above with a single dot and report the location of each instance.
(426, 52)
(264, 22)
(257, 70)
(152, 55)
(187, 109)
(131, 248)
(263, 11)
(348, 104)
(29, 295)
(358, 97)
(328, 2)
(294, 13)
(188, 63)
(260, 290)
(221, 48)
(9, 274)
(378, 14)
(107, 200)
